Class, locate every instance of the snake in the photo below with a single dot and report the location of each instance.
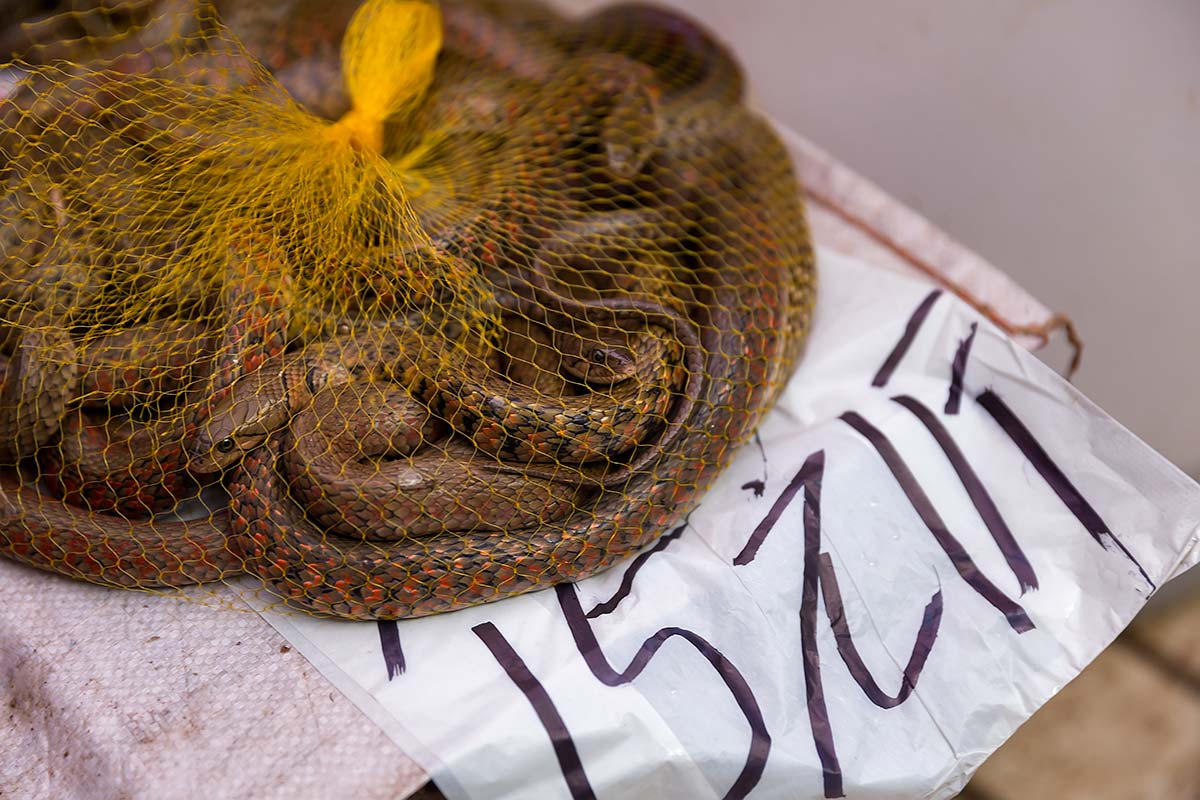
(750, 292)
(111, 462)
(137, 468)
(336, 474)
(425, 486)
(468, 161)
(334, 469)
(720, 341)
(746, 310)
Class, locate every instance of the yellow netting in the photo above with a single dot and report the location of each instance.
(396, 308)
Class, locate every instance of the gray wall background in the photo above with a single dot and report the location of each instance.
(1060, 139)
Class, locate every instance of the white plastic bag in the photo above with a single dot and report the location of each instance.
(879, 590)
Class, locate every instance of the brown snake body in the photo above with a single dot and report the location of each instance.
(751, 320)
(112, 462)
(143, 471)
(430, 574)
(651, 313)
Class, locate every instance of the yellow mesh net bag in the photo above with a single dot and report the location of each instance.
(395, 308)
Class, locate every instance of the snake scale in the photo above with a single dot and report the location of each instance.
(649, 282)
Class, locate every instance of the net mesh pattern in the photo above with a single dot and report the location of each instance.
(393, 307)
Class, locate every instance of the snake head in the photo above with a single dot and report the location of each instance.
(240, 422)
(601, 364)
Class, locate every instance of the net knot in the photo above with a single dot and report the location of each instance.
(388, 57)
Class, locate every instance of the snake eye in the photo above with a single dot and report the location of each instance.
(225, 445)
(599, 356)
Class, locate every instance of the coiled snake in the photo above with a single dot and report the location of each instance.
(652, 299)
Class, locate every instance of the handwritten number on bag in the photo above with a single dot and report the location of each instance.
(813, 472)
(593, 656)
(389, 644)
(547, 713)
(819, 571)
(993, 520)
(962, 561)
(931, 620)
(597, 662)
(958, 369)
(1053, 475)
(758, 485)
(610, 605)
(906, 339)
(819, 576)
